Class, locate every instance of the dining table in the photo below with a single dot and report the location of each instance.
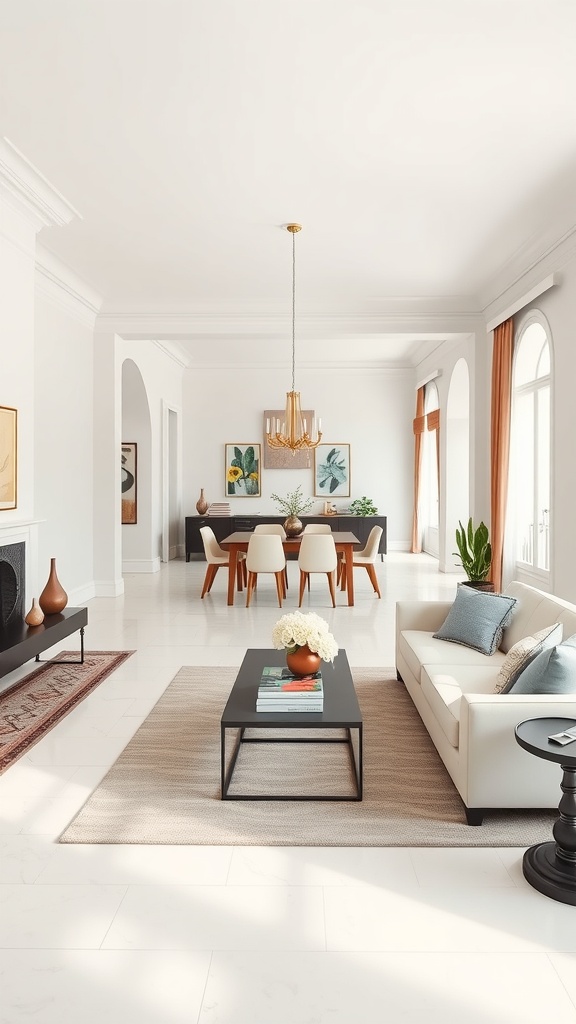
(343, 540)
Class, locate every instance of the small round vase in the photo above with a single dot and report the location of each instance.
(303, 662)
(293, 526)
(35, 616)
(53, 598)
(201, 504)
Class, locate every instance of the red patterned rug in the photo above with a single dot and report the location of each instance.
(32, 706)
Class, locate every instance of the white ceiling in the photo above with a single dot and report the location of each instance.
(421, 144)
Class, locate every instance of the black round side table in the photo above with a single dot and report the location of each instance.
(551, 867)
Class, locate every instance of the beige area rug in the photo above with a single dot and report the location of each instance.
(165, 786)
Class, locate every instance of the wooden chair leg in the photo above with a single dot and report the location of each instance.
(280, 585)
(244, 571)
(209, 578)
(331, 576)
(252, 576)
(303, 576)
(285, 580)
(373, 578)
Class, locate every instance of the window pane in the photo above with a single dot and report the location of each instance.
(543, 368)
(528, 355)
(524, 476)
(543, 477)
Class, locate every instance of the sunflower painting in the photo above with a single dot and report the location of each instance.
(242, 469)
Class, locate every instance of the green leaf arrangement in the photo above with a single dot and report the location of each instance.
(363, 507)
(475, 550)
(294, 503)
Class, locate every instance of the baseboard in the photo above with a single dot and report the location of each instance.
(81, 595)
(398, 545)
(108, 588)
(141, 565)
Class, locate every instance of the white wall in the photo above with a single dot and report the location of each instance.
(63, 447)
(372, 410)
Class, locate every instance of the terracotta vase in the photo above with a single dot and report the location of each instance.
(53, 598)
(303, 662)
(35, 616)
(293, 526)
(201, 504)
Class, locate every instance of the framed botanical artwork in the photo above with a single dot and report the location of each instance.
(283, 458)
(129, 468)
(332, 470)
(242, 470)
(8, 457)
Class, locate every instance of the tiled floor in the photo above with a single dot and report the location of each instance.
(215, 935)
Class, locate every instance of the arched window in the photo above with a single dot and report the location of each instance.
(530, 465)
(430, 475)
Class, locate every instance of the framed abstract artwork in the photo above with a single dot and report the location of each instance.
(8, 457)
(332, 470)
(129, 469)
(242, 470)
(283, 458)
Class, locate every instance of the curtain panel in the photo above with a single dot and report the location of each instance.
(501, 402)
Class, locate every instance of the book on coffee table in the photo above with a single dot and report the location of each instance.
(280, 682)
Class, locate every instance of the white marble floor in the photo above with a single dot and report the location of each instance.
(215, 935)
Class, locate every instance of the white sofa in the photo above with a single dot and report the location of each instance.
(472, 726)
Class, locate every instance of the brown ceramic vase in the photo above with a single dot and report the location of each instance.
(303, 662)
(201, 504)
(53, 598)
(35, 616)
(293, 526)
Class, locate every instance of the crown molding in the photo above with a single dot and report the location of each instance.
(173, 351)
(61, 286)
(30, 190)
(199, 325)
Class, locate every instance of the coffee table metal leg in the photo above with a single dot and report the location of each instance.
(356, 760)
(226, 776)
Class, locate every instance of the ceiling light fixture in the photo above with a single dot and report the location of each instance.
(293, 432)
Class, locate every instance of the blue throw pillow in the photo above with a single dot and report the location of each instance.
(551, 671)
(477, 619)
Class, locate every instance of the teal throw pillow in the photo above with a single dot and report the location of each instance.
(551, 671)
(477, 619)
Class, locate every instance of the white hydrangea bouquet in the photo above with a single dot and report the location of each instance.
(301, 629)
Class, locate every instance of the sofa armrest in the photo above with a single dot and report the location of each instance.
(425, 615)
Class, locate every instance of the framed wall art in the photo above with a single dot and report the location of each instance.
(8, 457)
(332, 471)
(242, 470)
(282, 458)
(129, 468)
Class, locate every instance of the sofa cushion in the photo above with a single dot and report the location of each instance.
(418, 648)
(551, 671)
(443, 686)
(524, 652)
(477, 619)
(533, 611)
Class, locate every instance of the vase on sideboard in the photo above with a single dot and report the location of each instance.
(293, 526)
(201, 504)
(53, 598)
(35, 616)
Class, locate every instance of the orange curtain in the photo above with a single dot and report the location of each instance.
(500, 441)
(433, 423)
(419, 425)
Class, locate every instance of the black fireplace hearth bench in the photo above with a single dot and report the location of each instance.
(22, 642)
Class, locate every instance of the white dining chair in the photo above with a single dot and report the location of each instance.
(318, 528)
(281, 532)
(317, 554)
(367, 557)
(217, 557)
(265, 554)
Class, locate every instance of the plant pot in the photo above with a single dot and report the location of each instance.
(293, 526)
(303, 662)
(484, 585)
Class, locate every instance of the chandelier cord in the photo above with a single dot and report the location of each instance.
(293, 307)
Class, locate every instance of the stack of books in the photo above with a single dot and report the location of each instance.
(219, 508)
(280, 690)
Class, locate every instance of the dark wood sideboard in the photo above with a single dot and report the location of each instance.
(224, 525)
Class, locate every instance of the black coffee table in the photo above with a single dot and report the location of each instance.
(341, 711)
(551, 867)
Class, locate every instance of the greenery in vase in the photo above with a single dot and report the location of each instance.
(294, 504)
(299, 629)
(363, 507)
(475, 550)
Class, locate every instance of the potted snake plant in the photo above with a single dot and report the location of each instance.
(475, 553)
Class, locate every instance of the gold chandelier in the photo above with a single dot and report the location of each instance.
(293, 432)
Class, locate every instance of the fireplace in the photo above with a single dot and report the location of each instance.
(12, 586)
